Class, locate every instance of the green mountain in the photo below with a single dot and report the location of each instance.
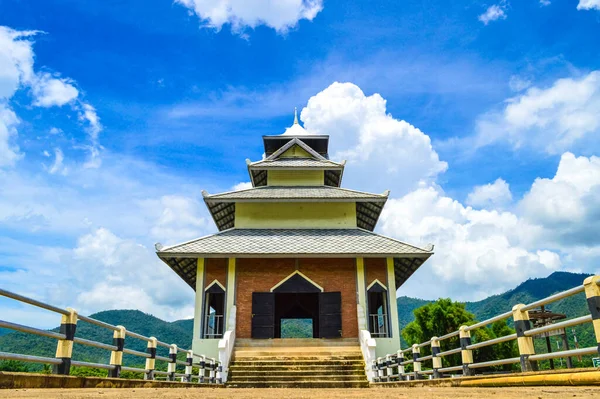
(527, 292)
(180, 332)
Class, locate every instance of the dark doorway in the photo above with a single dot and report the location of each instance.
(296, 306)
(263, 314)
(330, 315)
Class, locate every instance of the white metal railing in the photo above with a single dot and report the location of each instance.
(227, 343)
(378, 325)
(62, 362)
(383, 367)
(367, 344)
(213, 326)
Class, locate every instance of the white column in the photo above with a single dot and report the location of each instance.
(230, 290)
(362, 293)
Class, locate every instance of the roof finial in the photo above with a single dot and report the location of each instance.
(295, 116)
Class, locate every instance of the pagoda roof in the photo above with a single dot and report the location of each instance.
(296, 194)
(296, 163)
(296, 243)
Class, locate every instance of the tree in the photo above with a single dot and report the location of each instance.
(13, 365)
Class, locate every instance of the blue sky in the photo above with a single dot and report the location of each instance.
(483, 119)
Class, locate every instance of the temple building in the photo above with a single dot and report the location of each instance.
(295, 246)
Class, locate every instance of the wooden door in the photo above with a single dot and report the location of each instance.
(330, 315)
(263, 315)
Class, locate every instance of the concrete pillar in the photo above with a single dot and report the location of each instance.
(230, 292)
(202, 369)
(466, 354)
(393, 317)
(172, 365)
(151, 361)
(188, 366)
(64, 347)
(435, 360)
(399, 360)
(199, 303)
(526, 348)
(416, 353)
(116, 356)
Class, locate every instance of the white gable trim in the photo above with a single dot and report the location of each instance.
(213, 283)
(292, 275)
(299, 143)
(376, 281)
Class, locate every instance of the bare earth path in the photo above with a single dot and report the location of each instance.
(209, 393)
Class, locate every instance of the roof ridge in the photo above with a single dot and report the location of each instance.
(289, 144)
(394, 239)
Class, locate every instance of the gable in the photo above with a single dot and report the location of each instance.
(297, 283)
(296, 152)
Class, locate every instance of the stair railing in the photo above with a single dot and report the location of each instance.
(382, 368)
(226, 344)
(367, 346)
(66, 337)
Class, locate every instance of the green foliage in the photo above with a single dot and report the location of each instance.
(296, 328)
(88, 372)
(14, 366)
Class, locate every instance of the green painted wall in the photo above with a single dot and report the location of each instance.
(295, 215)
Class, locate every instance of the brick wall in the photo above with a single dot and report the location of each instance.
(376, 268)
(260, 275)
(215, 269)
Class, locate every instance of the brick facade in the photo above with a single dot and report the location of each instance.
(376, 268)
(215, 269)
(260, 275)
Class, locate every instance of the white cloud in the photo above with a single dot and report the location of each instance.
(518, 83)
(49, 91)
(493, 13)
(57, 166)
(380, 149)
(544, 3)
(588, 5)
(242, 186)
(493, 195)
(477, 252)
(552, 119)
(9, 151)
(567, 205)
(280, 15)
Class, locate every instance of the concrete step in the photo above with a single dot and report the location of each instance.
(300, 369)
(234, 373)
(294, 342)
(325, 351)
(293, 363)
(292, 359)
(300, 384)
(277, 378)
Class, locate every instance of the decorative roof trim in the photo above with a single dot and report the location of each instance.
(215, 281)
(290, 144)
(376, 281)
(297, 272)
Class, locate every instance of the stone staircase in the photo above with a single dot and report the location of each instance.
(297, 363)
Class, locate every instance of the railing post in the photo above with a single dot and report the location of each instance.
(151, 361)
(211, 373)
(526, 348)
(202, 370)
(416, 352)
(219, 368)
(592, 293)
(435, 360)
(64, 347)
(399, 360)
(388, 365)
(116, 356)
(380, 369)
(172, 365)
(466, 354)
(188, 367)
(375, 370)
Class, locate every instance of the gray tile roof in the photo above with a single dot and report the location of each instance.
(295, 163)
(294, 242)
(296, 193)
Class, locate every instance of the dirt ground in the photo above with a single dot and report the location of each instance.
(209, 393)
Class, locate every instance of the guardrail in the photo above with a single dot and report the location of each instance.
(383, 367)
(62, 362)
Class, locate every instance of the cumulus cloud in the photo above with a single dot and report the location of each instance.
(493, 13)
(493, 195)
(567, 205)
(477, 252)
(9, 150)
(588, 5)
(380, 150)
(49, 91)
(552, 119)
(242, 186)
(241, 14)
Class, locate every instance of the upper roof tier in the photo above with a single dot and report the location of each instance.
(318, 142)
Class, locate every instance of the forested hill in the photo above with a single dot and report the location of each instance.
(180, 332)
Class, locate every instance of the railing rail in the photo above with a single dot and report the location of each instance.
(383, 368)
(63, 362)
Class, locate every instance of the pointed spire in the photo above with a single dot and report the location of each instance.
(295, 116)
